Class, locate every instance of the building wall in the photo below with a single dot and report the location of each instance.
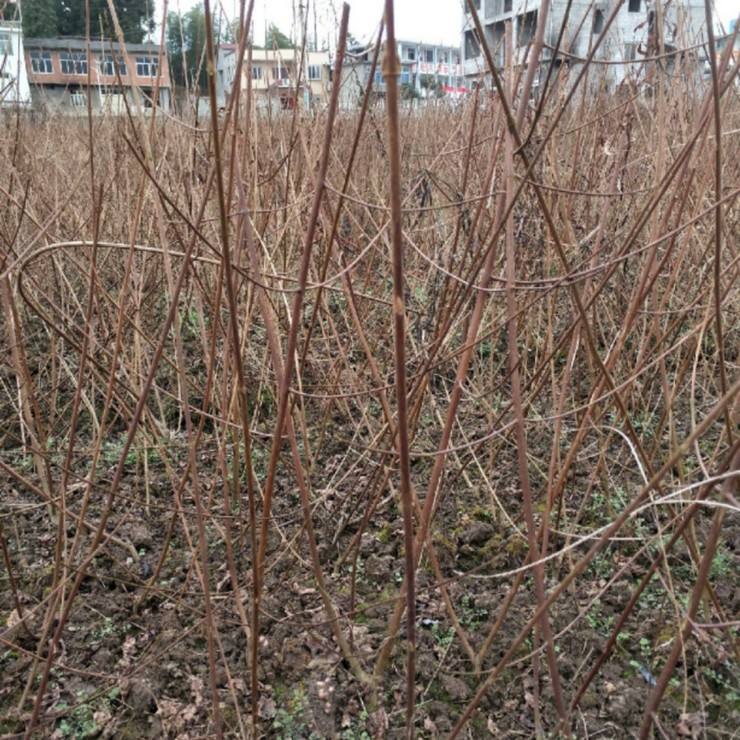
(59, 90)
(14, 87)
(133, 72)
(428, 71)
(72, 101)
(225, 72)
(273, 76)
(628, 39)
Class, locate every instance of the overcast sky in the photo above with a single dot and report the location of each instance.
(434, 21)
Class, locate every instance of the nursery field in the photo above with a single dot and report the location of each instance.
(356, 423)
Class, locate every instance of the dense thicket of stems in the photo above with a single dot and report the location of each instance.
(375, 420)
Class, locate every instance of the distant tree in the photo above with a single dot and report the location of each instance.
(135, 16)
(40, 18)
(408, 92)
(186, 40)
(8, 10)
(229, 32)
(276, 39)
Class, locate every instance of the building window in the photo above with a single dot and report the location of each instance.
(443, 57)
(634, 6)
(256, 73)
(73, 63)
(378, 77)
(598, 26)
(146, 66)
(405, 77)
(41, 62)
(429, 55)
(280, 73)
(109, 66)
(527, 27)
(411, 53)
(507, 6)
(472, 47)
(6, 45)
(78, 98)
(314, 72)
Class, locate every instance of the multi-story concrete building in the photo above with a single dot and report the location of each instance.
(428, 71)
(58, 71)
(273, 76)
(634, 34)
(14, 88)
(723, 42)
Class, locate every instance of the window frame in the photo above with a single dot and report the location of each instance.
(73, 63)
(146, 66)
(6, 44)
(39, 58)
(634, 6)
(597, 25)
(112, 64)
(78, 98)
(527, 28)
(256, 72)
(314, 68)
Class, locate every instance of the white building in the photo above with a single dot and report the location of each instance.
(14, 87)
(633, 35)
(428, 72)
(274, 77)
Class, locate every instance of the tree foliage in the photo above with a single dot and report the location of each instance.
(42, 18)
(186, 41)
(8, 10)
(276, 39)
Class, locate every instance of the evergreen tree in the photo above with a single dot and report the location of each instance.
(186, 40)
(8, 10)
(135, 16)
(276, 39)
(40, 18)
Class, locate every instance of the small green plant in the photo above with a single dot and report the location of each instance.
(730, 693)
(721, 564)
(597, 620)
(646, 648)
(112, 451)
(443, 636)
(290, 717)
(107, 629)
(80, 722)
(472, 616)
(357, 730)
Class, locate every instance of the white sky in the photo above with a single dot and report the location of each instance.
(433, 21)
